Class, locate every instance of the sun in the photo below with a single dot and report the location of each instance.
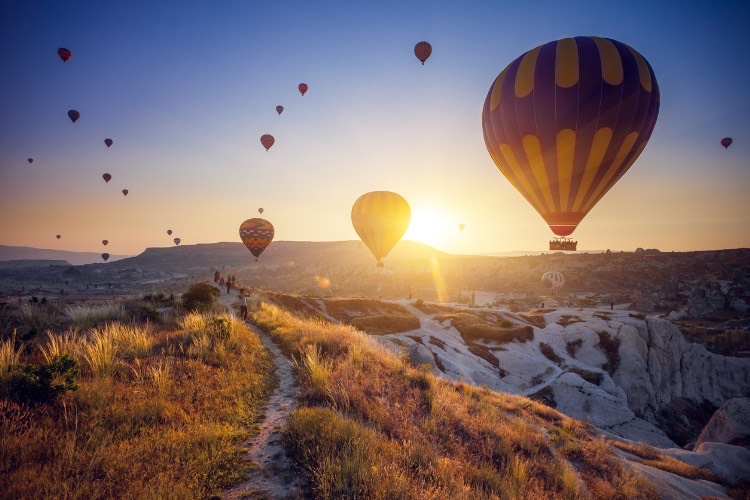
(431, 226)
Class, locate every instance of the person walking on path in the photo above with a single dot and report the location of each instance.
(243, 305)
(229, 285)
(221, 281)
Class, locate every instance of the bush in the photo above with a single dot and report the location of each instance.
(610, 346)
(39, 384)
(200, 297)
(549, 353)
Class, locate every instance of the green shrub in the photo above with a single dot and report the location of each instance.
(39, 384)
(200, 297)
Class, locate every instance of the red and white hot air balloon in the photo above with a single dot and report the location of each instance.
(267, 140)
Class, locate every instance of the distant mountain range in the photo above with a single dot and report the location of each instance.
(10, 253)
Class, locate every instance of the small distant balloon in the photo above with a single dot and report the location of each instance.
(169, 232)
(58, 236)
(74, 115)
(279, 109)
(422, 50)
(461, 227)
(260, 210)
(267, 140)
(105, 242)
(177, 241)
(302, 88)
(108, 142)
(30, 160)
(125, 192)
(726, 142)
(105, 256)
(106, 177)
(64, 54)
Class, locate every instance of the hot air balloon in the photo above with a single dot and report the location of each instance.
(64, 54)
(422, 50)
(564, 121)
(380, 218)
(726, 142)
(74, 115)
(279, 109)
(260, 211)
(267, 140)
(30, 160)
(105, 256)
(302, 88)
(461, 227)
(108, 142)
(106, 177)
(58, 236)
(553, 279)
(105, 242)
(125, 192)
(169, 232)
(256, 234)
(177, 241)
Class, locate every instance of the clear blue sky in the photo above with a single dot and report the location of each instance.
(186, 89)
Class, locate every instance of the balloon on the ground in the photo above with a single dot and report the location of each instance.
(108, 142)
(106, 177)
(256, 234)
(105, 242)
(564, 121)
(74, 115)
(64, 54)
(422, 50)
(726, 142)
(169, 232)
(125, 192)
(279, 109)
(380, 218)
(105, 256)
(302, 88)
(461, 227)
(30, 160)
(267, 140)
(553, 280)
(177, 241)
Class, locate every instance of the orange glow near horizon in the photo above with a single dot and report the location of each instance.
(437, 277)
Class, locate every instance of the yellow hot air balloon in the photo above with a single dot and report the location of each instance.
(380, 218)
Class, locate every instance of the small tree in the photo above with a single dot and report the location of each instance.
(200, 297)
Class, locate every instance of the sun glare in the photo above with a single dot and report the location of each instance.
(431, 226)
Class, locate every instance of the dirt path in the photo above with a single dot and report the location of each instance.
(272, 474)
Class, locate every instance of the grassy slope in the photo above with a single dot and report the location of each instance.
(371, 426)
(160, 412)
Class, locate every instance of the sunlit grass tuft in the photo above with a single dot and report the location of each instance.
(88, 315)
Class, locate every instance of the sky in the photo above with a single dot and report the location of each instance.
(186, 89)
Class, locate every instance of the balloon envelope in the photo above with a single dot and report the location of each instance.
(279, 109)
(105, 242)
(74, 115)
(267, 140)
(726, 142)
(58, 236)
(381, 218)
(108, 142)
(422, 50)
(553, 280)
(177, 241)
(564, 121)
(125, 192)
(169, 232)
(30, 160)
(106, 177)
(64, 54)
(256, 234)
(461, 227)
(105, 256)
(260, 211)
(302, 88)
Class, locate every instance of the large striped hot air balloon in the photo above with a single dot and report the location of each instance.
(381, 218)
(564, 121)
(256, 234)
(422, 50)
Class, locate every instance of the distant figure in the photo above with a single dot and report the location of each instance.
(216, 276)
(611, 306)
(542, 305)
(221, 281)
(234, 279)
(243, 305)
(229, 284)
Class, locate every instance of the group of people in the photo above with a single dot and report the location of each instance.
(229, 281)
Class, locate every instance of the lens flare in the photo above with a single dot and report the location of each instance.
(323, 282)
(437, 277)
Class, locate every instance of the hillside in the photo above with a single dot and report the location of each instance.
(29, 253)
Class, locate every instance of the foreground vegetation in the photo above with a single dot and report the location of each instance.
(369, 425)
(106, 405)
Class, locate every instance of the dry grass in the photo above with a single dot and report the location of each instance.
(568, 319)
(147, 421)
(651, 457)
(473, 327)
(10, 356)
(294, 303)
(536, 318)
(372, 316)
(371, 426)
(88, 315)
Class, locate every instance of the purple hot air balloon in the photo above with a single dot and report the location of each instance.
(177, 241)
(30, 160)
(108, 142)
(105, 256)
(125, 192)
(106, 177)
(726, 142)
(74, 115)
(64, 54)
(279, 109)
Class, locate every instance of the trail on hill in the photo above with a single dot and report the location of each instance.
(273, 474)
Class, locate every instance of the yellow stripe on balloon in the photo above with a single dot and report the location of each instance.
(643, 71)
(596, 155)
(612, 71)
(605, 183)
(533, 150)
(525, 74)
(497, 88)
(510, 159)
(566, 146)
(566, 63)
